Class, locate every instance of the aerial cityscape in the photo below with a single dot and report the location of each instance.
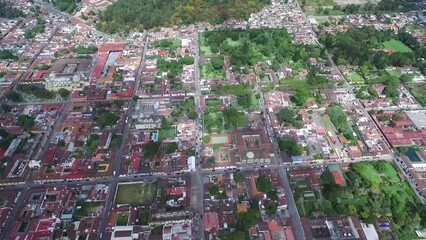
(211, 119)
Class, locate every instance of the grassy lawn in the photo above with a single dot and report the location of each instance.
(204, 49)
(319, 3)
(391, 173)
(396, 45)
(254, 102)
(136, 194)
(177, 43)
(167, 133)
(370, 173)
(242, 121)
(122, 220)
(394, 72)
(326, 13)
(356, 78)
(233, 43)
(328, 125)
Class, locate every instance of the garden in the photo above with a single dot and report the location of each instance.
(375, 191)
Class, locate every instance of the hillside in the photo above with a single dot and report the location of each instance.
(145, 14)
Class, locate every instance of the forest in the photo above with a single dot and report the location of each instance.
(252, 45)
(375, 191)
(126, 15)
(363, 47)
(8, 11)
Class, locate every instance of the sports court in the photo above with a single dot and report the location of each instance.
(221, 139)
(336, 171)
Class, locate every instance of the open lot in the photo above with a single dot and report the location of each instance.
(136, 194)
(355, 78)
(167, 133)
(396, 46)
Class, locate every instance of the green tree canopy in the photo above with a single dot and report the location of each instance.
(291, 147)
(263, 184)
(25, 121)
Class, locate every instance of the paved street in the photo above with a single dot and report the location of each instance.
(119, 157)
(197, 180)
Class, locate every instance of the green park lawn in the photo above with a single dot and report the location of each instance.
(136, 194)
(356, 78)
(370, 173)
(242, 121)
(233, 43)
(394, 72)
(165, 133)
(328, 125)
(319, 3)
(122, 220)
(396, 45)
(204, 49)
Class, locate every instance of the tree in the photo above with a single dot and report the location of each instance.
(26, 122)
(406, 78)
(8, 54)
(151, 149)
(64, 93)
(106, 119)
(291, 147)
(192, 115)
(263, 184)
(61, 143)
(217, 63)
(211, 160)
(214, 190)
(238, 177)
(130, 14)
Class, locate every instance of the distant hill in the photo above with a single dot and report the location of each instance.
(8, 11)
(125, 15)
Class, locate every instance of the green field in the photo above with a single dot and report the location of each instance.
(122, 220)
(394, 72)
(136, 194)
(396, 45)
(167, 133)
(204, 49)
(242, 121)
(328, 125)
(233, 43)
(356, 78)
(319, 3)
(254, 102)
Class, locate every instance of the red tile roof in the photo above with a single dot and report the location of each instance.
(175, 191)
(211, 221)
